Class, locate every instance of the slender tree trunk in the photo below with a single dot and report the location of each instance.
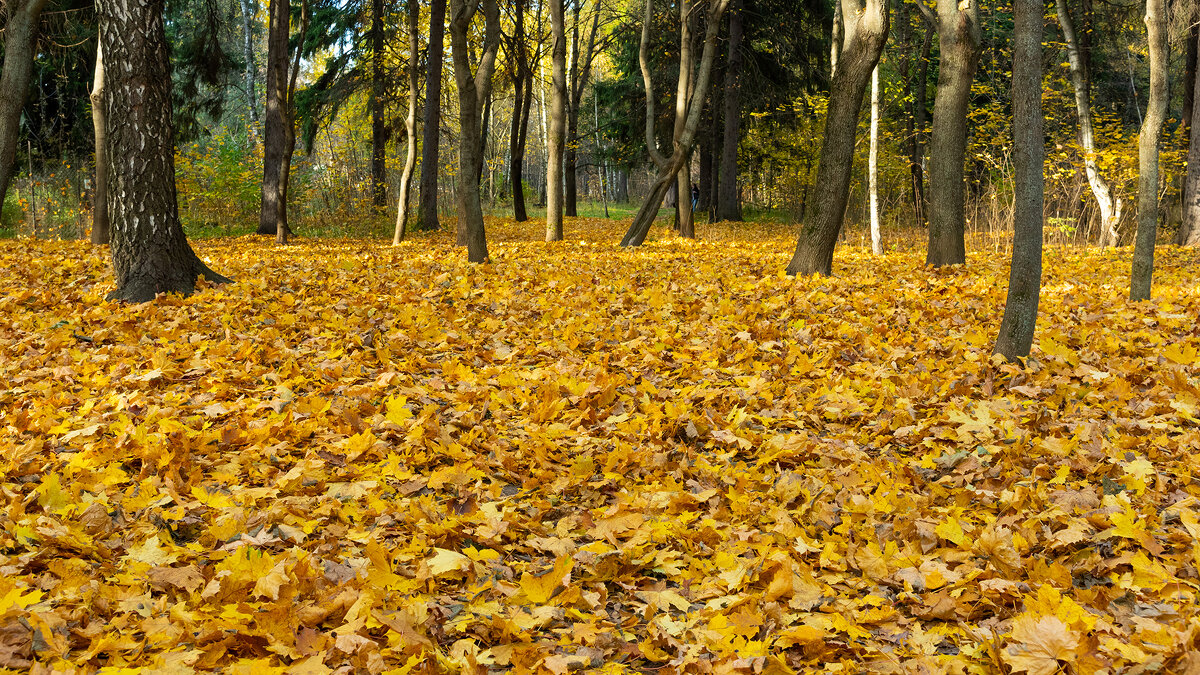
(410, 122)
(580, 74)
(1156, 114)
(289, 111)
(378, 126)
(873, 165)
(1189, 229)
(1189, 99)
(100, 226)
(729, 207)
(522, 90)
(150, 253)
(1110, 209)
(19, 35)
(273, 214)
(866, 29)
(837, 39)
(556, 137)
(248, 55)
(683, 178)
(920, 114)
(959, 35)
(474, 89)
(704, 146)
(427, 208)
(1025, 275)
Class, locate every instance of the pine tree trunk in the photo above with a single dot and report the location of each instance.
(873, 166)
(1025, 275)
(150, 253)
(959, 35)
(556, 136)
(100, 226)
(19, 35)
(378, 125)
(410, 122)
(729, 207)
(427, 208)
(1156, 113)
(866, 28)
(276, 127)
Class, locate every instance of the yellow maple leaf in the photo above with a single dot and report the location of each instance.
(1038, 644)
(540, 588)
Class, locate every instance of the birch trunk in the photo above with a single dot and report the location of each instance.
(873, 165)
(410, 122)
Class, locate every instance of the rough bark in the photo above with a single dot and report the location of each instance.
(150, 253)
(866, 28)
(1110, 208)
(683, 177)
(427, 208)
(1025, 275)
(100, 226)
(522, 100)
(19, 35)
(689, 108)
(1189, 104)
(247, 7)
(837, 39)
(277, 131)
(410, 122)
(729, 207)
(378, 125)
(873, 166)
(959, 36)
(1189, 229)
(474, 88)
(1156, 113)
(920, 115)
(556, 134)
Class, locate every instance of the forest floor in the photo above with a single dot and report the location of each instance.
(361, 458)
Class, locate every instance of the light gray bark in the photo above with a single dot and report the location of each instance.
(248, 55)
(1156, 112)
(100, 227)
(873, 166)
(410, 122)
(556, 134)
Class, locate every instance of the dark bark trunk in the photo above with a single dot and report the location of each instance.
(150, 253)
(581, 73)
(1189, 98)
(704, 146)
(1025, 275)
(866, 28)
(378, 126)
(522, 99)
(921, 114)
(100, 226)
(1156, 113)
(729, 207)
(410, 122)
(276, 127)
(1189, 229)
(427, 208)
(556, 133)
(19, 35)
(959, 36)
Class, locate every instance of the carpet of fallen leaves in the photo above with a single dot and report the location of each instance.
(361, 458)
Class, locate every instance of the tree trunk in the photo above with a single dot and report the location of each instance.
(427, 208)
(580, 74)
(917, 154)
(959, 35)
(1189, 99)
(474, 89)
(556, 144)
(1189, 229)
(248, 55)
(729, 207)
(19, 35)
(276, 128)
(866, 28)
(522, 99)
(873, 166)
(100, 226)
(704, 146)
(1156, 114)
(683, 178)
(410, 122)
(1110, 209)
(150, 253)
(378, 126)
(1025, 275)
(837, 38)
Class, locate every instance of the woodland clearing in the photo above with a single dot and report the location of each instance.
(363, 458)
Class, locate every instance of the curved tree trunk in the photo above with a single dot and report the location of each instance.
(150, 253)
(19, 35)
(100, 228)
(1025, 275)
(427, 208)
(410, 122)
(1156, 113)
(556, 135)
(866, 28)
(959, 35)
(729, 207)
(1110, 209)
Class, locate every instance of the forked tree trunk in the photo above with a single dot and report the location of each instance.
(873, 166)
(427, 208)
(410, 122)
(866, 28)
(474, 88)
(1110, 208)
(556, 131)
(729, 207)
(959, 36)
(379, 135)
(1156, 113)
(100, 227)
(150, 253)
(19, 35)
(1025, 275)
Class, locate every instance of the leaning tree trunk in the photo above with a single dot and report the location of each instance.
(1025, 275)
(555, 142)
(1156, 113)
(100, 228)
(410, 122)
(1110, 209)
(959, 35)
(473, 91)
(729, 207)
(866, 28)
(427, 208)
(19, 35)
(379, 135)
(150, 253)
(273, 214)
